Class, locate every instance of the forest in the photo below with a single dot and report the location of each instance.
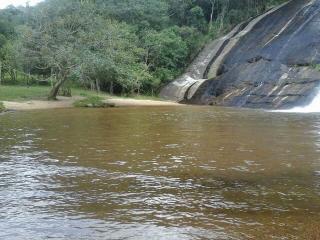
(119, 47)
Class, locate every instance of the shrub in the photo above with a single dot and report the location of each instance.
(92, 102)
(2, 107)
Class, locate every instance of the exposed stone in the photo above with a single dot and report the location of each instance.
(266, 63)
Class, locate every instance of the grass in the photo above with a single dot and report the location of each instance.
(23, 93)
(17, 93)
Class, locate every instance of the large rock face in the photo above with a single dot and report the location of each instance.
(269, 62)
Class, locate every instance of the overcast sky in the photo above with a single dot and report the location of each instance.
(5, 3)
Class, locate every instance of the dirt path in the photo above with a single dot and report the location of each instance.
(64, 102)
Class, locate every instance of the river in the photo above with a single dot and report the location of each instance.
(159, 173)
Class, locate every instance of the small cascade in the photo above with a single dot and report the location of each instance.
(313, 107)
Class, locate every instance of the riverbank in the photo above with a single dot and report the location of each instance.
(19, 98)
(65, 102)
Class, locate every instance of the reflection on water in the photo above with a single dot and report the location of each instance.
(158, 173)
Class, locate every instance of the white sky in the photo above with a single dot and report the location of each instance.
(5, 3)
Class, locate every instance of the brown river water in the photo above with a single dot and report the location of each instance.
(159, 173)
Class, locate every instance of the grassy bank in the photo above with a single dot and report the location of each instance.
(31, 98)
(23, 93)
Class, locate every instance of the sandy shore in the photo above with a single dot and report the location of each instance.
(64, 102)
(129, 102)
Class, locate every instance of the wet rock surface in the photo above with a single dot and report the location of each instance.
(270, 62)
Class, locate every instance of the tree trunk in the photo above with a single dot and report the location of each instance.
(12, 75)
(111, 88)
(51, 77)
(29, 78)
(97, 85)
(0, 73)
(15, 74)
(55, 89)
(211, 15)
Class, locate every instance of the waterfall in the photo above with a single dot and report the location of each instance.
(313, 107)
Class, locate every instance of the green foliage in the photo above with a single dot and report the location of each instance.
(140, 13)
(92, 102)
(2, 107)
(165, 49)
(127, 46)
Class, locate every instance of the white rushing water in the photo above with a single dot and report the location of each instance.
(313, 107)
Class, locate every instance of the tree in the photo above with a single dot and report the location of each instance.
(165, 49)
(127, 46)
(51, 41)
(110, 54)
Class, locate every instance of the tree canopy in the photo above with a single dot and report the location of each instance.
(121, 46)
